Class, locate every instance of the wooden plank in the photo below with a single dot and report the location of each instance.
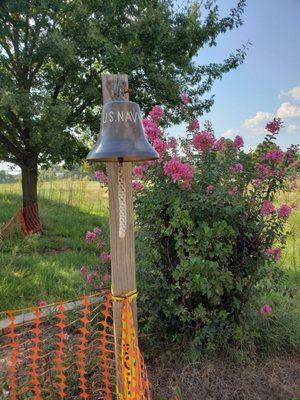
(122, 249)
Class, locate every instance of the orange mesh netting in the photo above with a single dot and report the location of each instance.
(27, 218)
(67, 351)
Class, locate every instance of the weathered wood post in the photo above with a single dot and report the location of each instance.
(122, 141)
(122, 249)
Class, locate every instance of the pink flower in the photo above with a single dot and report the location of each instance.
(90, 278)
(106, 278)
(151, 129)
(238, 142)
(100, 245)
(274, 126)
(257, 182)
(101, 177)
(263, 171)
(184, 98)
(136, 185)
(90, 236)
(267, 208)
(179, 171)
(284, 211)
(157, 113)
(275, 253)
(209, 189)
(83, 270)
(42, 303)
(266, 309)
(138, 171)
(203, 140)
(193, 125)
(273, 155)
(98, 231)
(219, 144)
(237, 168)
(233, 191)
(105, 257)
(172, 143)
(160, 146)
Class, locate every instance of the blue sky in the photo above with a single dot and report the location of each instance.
(268, 83)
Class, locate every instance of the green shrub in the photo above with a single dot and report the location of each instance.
(208, 232)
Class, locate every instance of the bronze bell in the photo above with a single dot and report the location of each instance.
(122, 136)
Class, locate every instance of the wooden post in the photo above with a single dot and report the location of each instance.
(122, 249)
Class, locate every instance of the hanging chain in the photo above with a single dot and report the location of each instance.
(122, 202)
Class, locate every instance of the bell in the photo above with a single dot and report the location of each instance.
(122, 136)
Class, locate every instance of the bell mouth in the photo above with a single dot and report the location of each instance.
(122, 158)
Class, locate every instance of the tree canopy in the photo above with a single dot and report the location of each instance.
(53, 52)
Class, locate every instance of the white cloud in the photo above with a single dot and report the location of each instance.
(258, 122)
(230, 133)
(294, 93)
(288, 110)
(292, 128)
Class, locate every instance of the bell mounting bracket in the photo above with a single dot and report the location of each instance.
(117, 88)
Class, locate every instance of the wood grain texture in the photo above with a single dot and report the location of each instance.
(122, 249)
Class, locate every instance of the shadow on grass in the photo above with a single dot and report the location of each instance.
(46, 267)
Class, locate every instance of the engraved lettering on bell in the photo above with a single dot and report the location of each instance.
(122, 135)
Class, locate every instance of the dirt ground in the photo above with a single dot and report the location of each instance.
(277, 378)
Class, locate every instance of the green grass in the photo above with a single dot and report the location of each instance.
(46, 267)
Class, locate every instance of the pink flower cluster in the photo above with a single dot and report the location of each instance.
(266, 309)
(184, 99)
(137, 186)
(160, 146)
(152, 130)
(267, 208)
(237, 168)
(193, 125)
(220, 144)
(274, 253)
(105, 257)
(209, 189)
(101, 177)
(284, 211)
(238, 142)
(203, 141)
(275, 155)
(263, 171)
(233, 191)
(91, 236)
(179, 171)
(172, 143)
(274, 126)
(157, 113)
(93, 275)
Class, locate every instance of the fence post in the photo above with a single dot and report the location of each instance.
(122, 249)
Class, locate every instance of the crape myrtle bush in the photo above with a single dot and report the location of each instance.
(208, 231)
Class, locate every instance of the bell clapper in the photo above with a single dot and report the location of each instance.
(122, 200)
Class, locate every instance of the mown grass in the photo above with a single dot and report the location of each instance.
(46, 267)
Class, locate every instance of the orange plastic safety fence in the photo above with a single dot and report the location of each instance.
(29, 219)
(67, 351)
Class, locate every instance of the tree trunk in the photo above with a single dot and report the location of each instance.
(31, 222)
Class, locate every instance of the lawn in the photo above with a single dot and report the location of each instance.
(47, 267)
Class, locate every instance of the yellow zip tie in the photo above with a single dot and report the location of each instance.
(130, 296)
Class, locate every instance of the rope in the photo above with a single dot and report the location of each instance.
(130, 296)
(122, 202)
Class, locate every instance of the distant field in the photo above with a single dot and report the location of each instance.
(47, 267)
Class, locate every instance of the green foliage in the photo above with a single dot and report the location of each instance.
(52, 55)
(204, 252)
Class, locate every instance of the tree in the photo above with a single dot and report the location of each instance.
(52, 55)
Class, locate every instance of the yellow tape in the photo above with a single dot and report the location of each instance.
(130, 296)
